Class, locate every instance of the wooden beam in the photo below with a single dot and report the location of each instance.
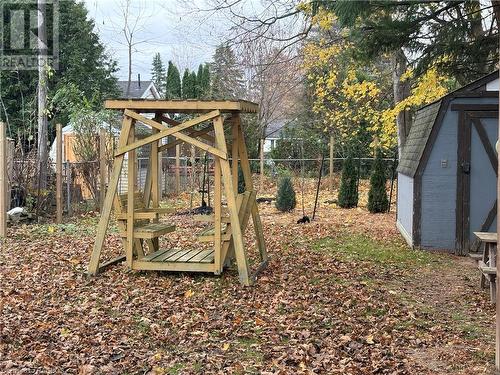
(164, 131)
(108, 201)
(239, 247)
(182, 106)
(192, 133)
(131, 177)
(59, 182)
(234, 153)
(3, 180)
(102, 166)
(217, 216)
(247, 175)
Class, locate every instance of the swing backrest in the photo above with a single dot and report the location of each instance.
(122, 199)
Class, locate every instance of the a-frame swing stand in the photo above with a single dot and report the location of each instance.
(138, 212)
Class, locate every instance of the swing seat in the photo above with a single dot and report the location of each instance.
(151, 230)
(143, 227)
(208, 235)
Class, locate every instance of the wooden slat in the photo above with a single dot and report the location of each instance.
(173, 266)
(200, 256)
(182, 106)
(155, 254)
(174, 257)
(209, 259)
(190, 254)
(168, 254)
(486, 236)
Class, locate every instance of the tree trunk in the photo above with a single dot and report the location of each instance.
(42, 96)
(129, 68)
(401, 91)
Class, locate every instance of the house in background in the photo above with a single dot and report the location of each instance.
(139, 89)
(273, 135)
(447, 175)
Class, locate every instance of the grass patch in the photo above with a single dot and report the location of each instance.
(362, 248)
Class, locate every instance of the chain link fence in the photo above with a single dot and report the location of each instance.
(80, 180)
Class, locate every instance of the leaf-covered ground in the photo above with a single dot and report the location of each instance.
(342, 295)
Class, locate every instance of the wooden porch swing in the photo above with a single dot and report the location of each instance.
(138, 213)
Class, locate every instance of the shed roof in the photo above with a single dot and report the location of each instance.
(425, 120)
(417, 139)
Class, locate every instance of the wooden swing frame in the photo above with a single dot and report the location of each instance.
(228, 244)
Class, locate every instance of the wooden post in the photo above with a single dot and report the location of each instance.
(235, 154)
(177, 169)
(217, 215)
(102, 167)
(497, 304)
(261, 165)
(59, 183)
(131, 183)
(239, 247)
(3, 180)
(331, 163)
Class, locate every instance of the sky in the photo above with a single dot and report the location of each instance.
(174, 28)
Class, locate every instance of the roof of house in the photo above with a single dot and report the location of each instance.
(138, 89)
(425, 119)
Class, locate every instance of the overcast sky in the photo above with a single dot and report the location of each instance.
(166, 26)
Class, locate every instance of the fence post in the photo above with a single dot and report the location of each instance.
(3, 180)
(59, 198)
(262, 165)
(331, 163)
(177, 169)
(68, 188)
(102, 167)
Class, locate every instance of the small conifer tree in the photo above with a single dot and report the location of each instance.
(285, 200)
(348, 194)
(377, 196)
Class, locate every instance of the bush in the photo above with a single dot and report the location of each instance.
(285, 200)
(377, 196)
(348, 194)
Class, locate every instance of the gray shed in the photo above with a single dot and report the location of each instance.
(448, 170)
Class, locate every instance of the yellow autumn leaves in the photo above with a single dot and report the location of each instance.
(347, 94)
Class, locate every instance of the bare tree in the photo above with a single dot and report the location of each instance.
(274, 78)
(132, 26)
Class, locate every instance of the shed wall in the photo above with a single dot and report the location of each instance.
(405, 207)
(439, 182)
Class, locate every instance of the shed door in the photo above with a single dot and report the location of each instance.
(477, 173)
